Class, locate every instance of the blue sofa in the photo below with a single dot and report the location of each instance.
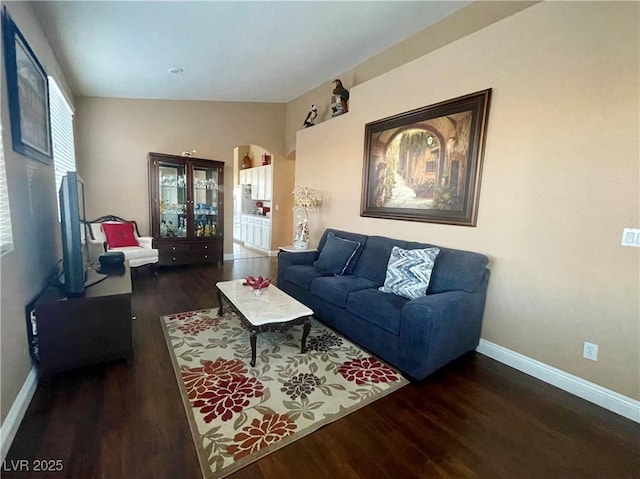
(418, 336)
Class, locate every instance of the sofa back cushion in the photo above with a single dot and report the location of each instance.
(409, 272)
(455, 270)
(336, 254)
(372, 263)
(119, 234)
(360, 238)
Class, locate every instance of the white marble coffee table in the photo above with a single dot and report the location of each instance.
(273, 310)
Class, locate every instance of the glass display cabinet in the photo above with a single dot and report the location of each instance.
(186, 205)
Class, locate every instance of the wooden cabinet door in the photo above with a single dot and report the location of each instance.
(186, 204)
(254, 183)
(268, 183)
(265, 236)
(251, 226)
(243, 228)
(261, 182)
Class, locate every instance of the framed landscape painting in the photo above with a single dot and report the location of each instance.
(28, 92)
(426, 164)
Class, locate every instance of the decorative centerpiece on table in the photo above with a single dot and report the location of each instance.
(258, 284)
(305, 200)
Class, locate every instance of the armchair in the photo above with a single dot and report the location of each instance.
(112, 233)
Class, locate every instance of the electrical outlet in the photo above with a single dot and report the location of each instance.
(590, 351)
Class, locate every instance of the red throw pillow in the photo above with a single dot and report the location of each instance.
(119, 234)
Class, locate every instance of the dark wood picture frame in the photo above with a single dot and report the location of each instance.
(426, 164)
(28, 94)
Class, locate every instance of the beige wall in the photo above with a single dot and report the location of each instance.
(560, 180)
(469, 19)
(34, 221)
(282, 204)
(115, 136)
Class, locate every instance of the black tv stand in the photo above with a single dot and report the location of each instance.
(78, 332)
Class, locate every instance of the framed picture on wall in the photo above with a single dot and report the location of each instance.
(28, 95)
(425, 164)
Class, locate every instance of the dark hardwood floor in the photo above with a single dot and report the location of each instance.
(475, 418)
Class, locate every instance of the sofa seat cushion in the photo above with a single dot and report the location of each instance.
(138, 256)
(382, 309)
(302, 275)
(336, 289)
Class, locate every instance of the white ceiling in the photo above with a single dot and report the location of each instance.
(265, 51)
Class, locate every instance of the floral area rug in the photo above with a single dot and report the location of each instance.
(240, 413)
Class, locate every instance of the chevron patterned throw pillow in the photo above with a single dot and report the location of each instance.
(409, 271)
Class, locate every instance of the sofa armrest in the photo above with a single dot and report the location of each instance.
(96, 248)
(287, 258)
(438, 328)
(96, 245)
(145, 241)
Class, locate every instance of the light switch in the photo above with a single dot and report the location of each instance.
(631, 237)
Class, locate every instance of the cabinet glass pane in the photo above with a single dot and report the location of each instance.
(205, 201)
(172, 200)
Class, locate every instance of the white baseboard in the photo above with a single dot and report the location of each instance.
(16, 413)
(603, 397)
(227, 257)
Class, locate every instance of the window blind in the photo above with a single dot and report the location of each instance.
(6, 236)
(64, 156)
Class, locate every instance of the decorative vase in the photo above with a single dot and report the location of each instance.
(246, 162)
(266, 159)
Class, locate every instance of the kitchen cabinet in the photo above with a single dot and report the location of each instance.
(186, 207)
(265, 234)
(245, 177)
(261, 177)
(251, 227)
(256, 231)
(264, 182)
(268, 182)
(243, 228)
(261, 180)
(253, 172)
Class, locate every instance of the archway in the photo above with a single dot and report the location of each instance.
(251, 231)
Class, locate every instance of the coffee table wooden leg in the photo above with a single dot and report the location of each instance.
(253, 338)
(305, 332)
(219, 294)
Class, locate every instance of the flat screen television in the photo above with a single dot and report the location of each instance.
(75, 247)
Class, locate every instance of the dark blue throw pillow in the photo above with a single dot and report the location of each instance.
(336, 254)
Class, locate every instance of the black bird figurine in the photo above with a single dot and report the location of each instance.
(311, 116)
(339, 101)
